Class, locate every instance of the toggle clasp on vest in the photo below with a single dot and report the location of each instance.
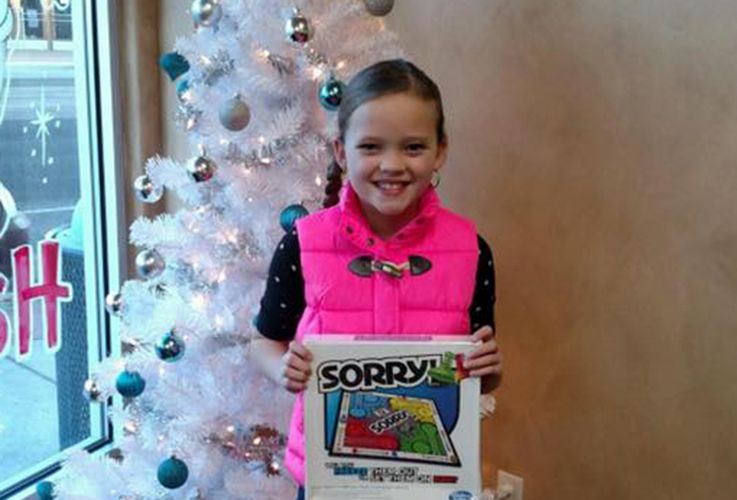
(366, 265)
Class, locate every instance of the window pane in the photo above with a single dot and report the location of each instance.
(43, 196)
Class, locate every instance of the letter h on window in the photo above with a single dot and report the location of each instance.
(51, 290)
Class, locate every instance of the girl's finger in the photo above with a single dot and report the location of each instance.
(296, 375)
(491, 359)
(482, 334)
(293, 386)
(297, 363)
(485, 348)
(300, 350)
(489, 370)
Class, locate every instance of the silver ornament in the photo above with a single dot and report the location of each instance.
(114, 304)
(235, 114)
(202, 169)
(298, 28)
(206, 12)
(379, 8)
(149, 264)
(92, 391)
(146, 191)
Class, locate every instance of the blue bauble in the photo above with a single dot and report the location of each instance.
(174, 64)
(170, 348)
(182, 87)
(331, 93)
(130, 384)
(45, 490)
(172, 473)
(290, 214)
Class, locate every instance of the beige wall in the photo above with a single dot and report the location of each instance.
(594, 143)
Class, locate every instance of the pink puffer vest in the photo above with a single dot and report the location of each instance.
(338, 300)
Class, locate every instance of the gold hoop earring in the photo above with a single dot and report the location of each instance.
(435, 179)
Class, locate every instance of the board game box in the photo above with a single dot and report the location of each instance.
(387, 417)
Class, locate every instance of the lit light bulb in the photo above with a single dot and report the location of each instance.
(318, 181)
(317, 72)
(199, 301)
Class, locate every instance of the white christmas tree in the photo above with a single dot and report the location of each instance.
(258, 83)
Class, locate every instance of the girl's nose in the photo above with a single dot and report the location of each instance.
(391, 161)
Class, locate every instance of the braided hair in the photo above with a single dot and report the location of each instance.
(383, 78)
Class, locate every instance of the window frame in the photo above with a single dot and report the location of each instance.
(99, 133)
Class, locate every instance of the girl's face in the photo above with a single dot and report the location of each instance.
(390, 152)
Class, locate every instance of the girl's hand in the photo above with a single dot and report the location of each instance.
(295, 367)
(485, 361)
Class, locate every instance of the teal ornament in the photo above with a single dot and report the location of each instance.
(130, 384)
(174, 64)
(172, 473)
(170, 347)
(289, 216)
(182, 87)
(331, 93)
(45, 490)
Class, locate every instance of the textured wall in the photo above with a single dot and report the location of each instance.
(594, 143)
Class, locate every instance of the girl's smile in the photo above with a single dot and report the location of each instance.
(390, 152)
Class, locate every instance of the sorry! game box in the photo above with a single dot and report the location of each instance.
(389, 417)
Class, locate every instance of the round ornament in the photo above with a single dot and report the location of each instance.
(114, 304)
(149, 264)
(202, 169)
(172, 473)
(45, 490)
(331, 93)
(379, 8)
(298, 28)
(174, 65)
(130, 384)
(235, 114)
(146, 191)
(170, 347)
(182, 89)
(92, 391)
(289, 216)
(206, 12)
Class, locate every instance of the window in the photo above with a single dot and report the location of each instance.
(57, 184)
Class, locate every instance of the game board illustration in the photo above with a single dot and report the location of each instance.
(382, 425)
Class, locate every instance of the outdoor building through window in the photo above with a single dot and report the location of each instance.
(52, 241)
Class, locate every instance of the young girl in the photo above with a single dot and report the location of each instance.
(384, 256)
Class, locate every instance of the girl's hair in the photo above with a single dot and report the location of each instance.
(383, 78)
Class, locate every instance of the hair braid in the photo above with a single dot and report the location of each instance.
(333, 185)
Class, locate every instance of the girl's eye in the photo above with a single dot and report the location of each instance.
(368, 147)
(416, 148)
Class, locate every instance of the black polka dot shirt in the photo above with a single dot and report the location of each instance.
(284, 302)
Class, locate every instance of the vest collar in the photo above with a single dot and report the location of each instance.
(354, 226)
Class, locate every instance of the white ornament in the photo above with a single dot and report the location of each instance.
(235, 114)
